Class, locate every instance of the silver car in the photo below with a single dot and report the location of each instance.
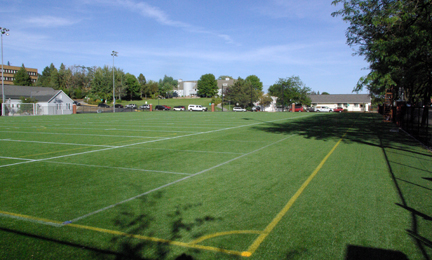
(239, 109)
(323, 109)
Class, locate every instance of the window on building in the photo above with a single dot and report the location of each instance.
(356, 105)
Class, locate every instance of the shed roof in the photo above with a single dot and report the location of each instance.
(41, 94)
(341, 98)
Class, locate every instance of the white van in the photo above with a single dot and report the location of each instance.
(196, 108)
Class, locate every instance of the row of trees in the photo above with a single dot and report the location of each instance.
(97, 83)
(245, 92)
(395, 37)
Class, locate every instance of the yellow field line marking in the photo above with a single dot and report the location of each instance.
(154, 239)
(218, 234)
(36, 219)
(114, 232)
(279, 216)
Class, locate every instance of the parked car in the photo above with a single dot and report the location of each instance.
(118, 106)
(160, 107)
(167, 107)
(256, 108)
(196, 108)
(310, 109)
(338, 109)
(298, 108)
(77, 103)
(179, 108)
(145, 106)
(239, 109)
(133, 106)
(323, 109)
(103, 105)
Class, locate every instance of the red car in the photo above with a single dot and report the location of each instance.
(167, 107)
(338, 109)
(297, 109)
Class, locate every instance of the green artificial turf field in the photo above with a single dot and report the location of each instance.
(212, 186)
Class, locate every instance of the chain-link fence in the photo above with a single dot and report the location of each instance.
(415, 121)
(33, 109)
(96, 109)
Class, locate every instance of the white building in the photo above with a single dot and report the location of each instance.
(49, 101)
(190, 88)
(350, 102)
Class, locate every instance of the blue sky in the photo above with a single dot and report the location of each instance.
(186, 39)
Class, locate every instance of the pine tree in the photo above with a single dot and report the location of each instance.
(22, 78)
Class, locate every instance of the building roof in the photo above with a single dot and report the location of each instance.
(41, 94)
(341, 98)
(229, 82)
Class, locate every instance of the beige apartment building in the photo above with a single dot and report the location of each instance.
(9, 74)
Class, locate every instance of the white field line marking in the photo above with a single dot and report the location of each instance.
(190, 151)
(151, 141)
(98, 145)
(120, 168)
(38, 142)
(49, 133)
(239, 141)
(14, 158)
(172, 183)
(103, 129)
(32, 220)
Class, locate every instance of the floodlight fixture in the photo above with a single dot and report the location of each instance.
(114, 54)
(3, 31)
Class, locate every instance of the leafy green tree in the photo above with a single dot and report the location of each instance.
(64, 79)
(142, 81)
(395, 38)
(325, 93)
(290, 90)
(22, 78)
(207, 86)
(223, 77)
(255, 82)
(54, 79)
(101, 84)
(167, 85)
(45, 79)
(133, 87)
(152, 88)
(242, 92)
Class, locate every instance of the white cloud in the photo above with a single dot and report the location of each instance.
(49, 21)
(153, 12)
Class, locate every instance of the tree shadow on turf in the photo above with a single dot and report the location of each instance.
(361, 253)
(415, 232)
(361, 128)
(68, 244)
(142, 222)
(365, 129)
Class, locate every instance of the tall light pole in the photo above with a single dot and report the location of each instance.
(3, 31)
(223, 85)
(114, 54)
(283, 90)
